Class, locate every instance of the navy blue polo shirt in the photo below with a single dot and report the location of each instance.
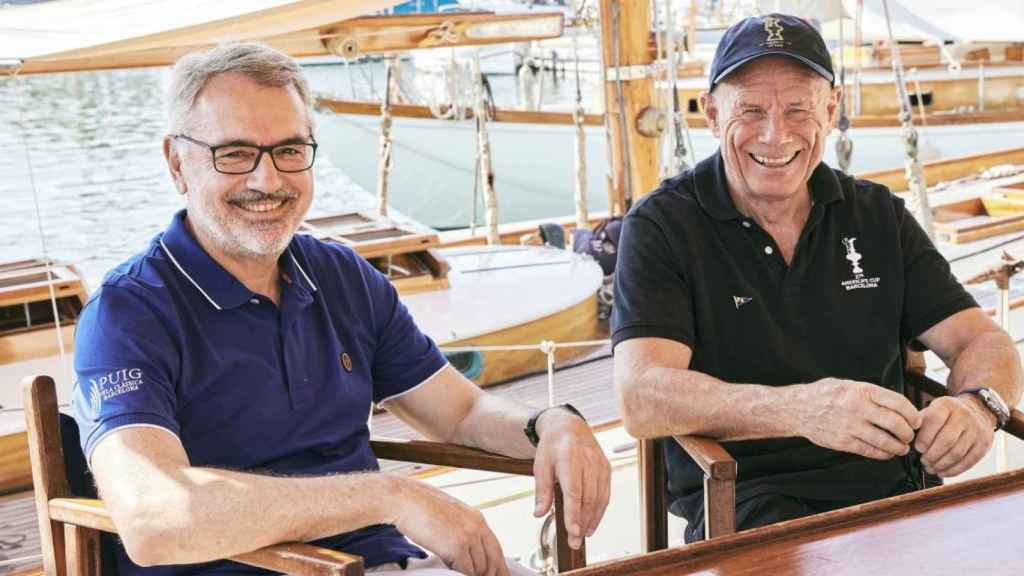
(172, 340)
(863, 282)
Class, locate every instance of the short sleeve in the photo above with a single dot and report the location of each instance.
(652, 296)
(126, 364)
(404, 356)
(931, 292)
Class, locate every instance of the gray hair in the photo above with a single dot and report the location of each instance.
(257, 62)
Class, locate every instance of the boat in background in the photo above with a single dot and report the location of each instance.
(472, 297)
(29, 345)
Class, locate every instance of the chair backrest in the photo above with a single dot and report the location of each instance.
(59, 470)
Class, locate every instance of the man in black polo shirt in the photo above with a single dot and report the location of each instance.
(765, 300)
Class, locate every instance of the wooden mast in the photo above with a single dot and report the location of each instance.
(627, 58)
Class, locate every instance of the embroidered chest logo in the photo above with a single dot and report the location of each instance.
(112, 385)
(773, 28)
(860, 279)
(740, 300)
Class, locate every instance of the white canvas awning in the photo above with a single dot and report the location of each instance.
(93, 34)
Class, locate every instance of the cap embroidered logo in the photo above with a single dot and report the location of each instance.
(773, 27)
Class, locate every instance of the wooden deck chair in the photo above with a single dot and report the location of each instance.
(720, 469)
(71, 522)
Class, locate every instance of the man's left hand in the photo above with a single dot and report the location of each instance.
(569, 454)
(956, 432)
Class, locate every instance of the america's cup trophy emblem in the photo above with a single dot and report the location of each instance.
(852, 255)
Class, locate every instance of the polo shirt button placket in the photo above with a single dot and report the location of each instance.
(769, 250)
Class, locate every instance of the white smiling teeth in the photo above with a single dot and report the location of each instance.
(261, 206)
(773, 162)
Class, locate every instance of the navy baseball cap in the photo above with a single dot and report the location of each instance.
(772, 34)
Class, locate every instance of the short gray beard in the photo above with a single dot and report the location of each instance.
(219, 232)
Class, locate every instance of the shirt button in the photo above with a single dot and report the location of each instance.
(254, 301)
(746, 224)
(768, 250)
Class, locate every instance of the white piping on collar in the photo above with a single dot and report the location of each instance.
(304, 275)
(182, 270)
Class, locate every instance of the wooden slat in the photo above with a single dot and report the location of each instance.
(83, 550)
(397, 33)
(48, 474)
(295, 29)
(947, 169)
(439, 454)
(85, 512)
(303, 559)
(712, 458)
(683, 560)
(719, 507)
(502, 115)
(15, 467)
(290, 558)
(568, 559)
(40, 342)
(653, 496)
(511, 232)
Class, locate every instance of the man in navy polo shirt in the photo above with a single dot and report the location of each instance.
(766, 300)
(226, 374)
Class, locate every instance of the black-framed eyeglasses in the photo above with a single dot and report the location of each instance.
(243, 158)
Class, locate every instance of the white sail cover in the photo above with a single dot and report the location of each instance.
(63, 34)
(938, 20)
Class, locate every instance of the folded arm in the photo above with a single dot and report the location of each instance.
(169, 512)
(661, 396)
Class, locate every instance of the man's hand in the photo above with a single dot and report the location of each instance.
(569, 454)
(857, 417)
(955, 434)
(455, 532)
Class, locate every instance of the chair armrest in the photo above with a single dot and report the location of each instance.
(1014, 426)
(290, 558)
(719, 483)
(709, 455)
(452, 455)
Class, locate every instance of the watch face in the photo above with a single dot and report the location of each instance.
(995, 404)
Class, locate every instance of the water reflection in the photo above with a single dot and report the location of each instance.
(89, 144)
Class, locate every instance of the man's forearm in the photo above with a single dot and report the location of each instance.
(990, 360)
(496, 425)
(669, 401)
(182, 515)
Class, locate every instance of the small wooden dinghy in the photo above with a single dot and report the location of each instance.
(29, 345)
(479, 296)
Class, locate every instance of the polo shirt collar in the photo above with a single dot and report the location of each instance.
(216, 285)
(712, 188)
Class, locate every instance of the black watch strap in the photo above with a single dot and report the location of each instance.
(531, 424)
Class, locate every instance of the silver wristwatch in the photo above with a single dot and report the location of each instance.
(994, 402)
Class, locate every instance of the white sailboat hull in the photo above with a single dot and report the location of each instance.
(433, 170)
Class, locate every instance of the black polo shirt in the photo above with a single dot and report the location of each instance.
(864, 281)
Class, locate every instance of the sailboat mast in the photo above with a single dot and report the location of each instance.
(629, 89)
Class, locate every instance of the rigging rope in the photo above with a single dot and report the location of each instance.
(914, 171)
(676, 120)
(482, 113)
(844, 144)
(580, 143)
(384, 166)
(50, 277)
